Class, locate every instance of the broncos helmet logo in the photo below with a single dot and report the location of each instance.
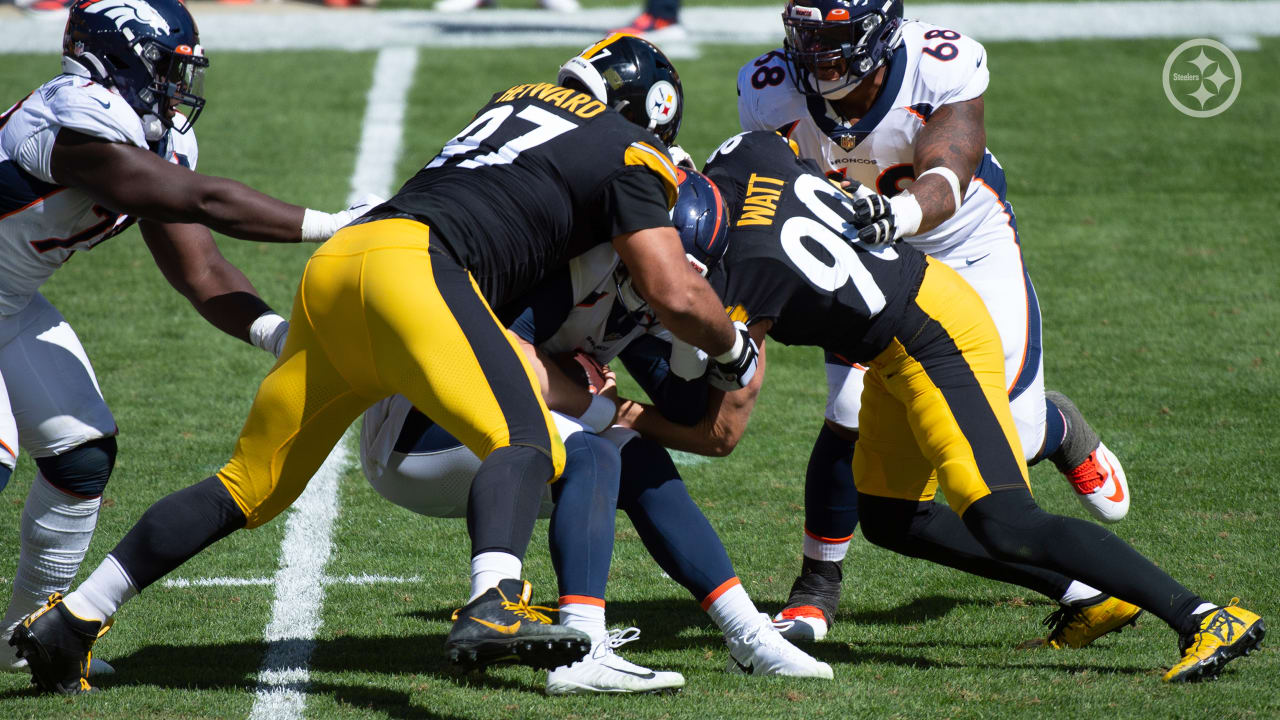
(125, 12)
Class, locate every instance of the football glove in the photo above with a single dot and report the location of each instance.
(681, 158)
(883, 221)
(318, 226)
(734, 369)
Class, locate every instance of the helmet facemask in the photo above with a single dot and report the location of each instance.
(178, 83)
(830, 55)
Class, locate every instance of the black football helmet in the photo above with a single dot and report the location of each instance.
(148, 50)
(701, 219)
(630, 75)
(833, 44)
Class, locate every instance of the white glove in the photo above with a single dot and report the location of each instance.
(681, 158)
(318, 226)
(269, 332)
(687, 361)
(883, 221)
(734, 369)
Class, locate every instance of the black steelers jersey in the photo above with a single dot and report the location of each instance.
(789, 260)
(541, 174)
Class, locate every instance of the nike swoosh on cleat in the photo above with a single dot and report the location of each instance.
(504, 629)
(643, 676)
(1119, 494)
(746, 669)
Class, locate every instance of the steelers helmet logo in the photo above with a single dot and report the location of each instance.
(661, 103)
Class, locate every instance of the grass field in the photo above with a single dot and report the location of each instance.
(1150, 236)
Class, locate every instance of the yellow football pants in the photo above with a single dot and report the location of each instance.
(381, 310)
(934, 409)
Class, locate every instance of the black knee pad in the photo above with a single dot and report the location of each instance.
(82, 470)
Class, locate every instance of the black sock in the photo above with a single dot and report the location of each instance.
(506, 495)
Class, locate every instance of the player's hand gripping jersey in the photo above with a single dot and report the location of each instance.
(43, 223)
(583, 176)
(789, 262)
(932, 67)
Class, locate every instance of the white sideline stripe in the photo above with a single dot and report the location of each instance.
(381, 138)
(291, 27)
(295, 614)
(364, 579)
(281, 693)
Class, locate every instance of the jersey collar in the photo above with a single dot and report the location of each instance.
(881, 107)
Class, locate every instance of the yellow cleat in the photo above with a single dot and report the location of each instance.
(1075, 626)
(1225, 634)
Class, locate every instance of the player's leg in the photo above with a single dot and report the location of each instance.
(300, 411)
(58, 413)
(948, 377)
(682, 541)
(1049, 424)
(439, 344)
(830, 509)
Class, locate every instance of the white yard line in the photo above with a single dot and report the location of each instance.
(268, 27)
(299, 584)
(364, 579)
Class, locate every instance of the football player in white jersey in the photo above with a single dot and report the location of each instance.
(898, 107)
(591, 313)
(81, 158)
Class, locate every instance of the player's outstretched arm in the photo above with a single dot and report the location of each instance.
(189, 259)
(138, 182)
(719, 431)
(955, 139)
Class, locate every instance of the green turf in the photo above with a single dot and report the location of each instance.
(1151, 240)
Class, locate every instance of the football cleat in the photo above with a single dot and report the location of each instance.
(1076, 626)
(1225, 633)
(1100, 484)
(500, 626)
(763, 651)
(604, 671)
(57, 646)
(811, 607)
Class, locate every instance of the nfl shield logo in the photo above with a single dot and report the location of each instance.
(847, 142)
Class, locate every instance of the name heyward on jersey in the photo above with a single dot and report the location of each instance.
(122, 13)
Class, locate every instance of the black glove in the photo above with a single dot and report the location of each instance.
(736, 372)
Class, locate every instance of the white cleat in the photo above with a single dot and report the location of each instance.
(1100, 484)
(801, 628)
(604, 671)
(763, 651)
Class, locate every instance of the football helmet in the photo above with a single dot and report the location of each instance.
(147, 50)
(701, 220)
(833, 44)
(630, 75)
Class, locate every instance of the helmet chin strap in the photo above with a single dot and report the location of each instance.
(830, 91)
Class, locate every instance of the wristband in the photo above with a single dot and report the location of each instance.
(266, 332)
(906, 214)
(950, 176)
(733, 352)
(600, 413)
(318, 225)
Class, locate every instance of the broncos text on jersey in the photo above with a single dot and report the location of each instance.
(43, 223)
(790, 261)
(932, 67)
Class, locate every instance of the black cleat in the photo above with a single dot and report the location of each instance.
(811, 607)
(501, 626)
(57, 647)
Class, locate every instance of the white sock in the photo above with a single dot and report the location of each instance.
(587, 618)
(56, 530)
(1078, 591)
(1203, 608)
(733, 612)
(490, 568)
(816, 549)
(99, 597)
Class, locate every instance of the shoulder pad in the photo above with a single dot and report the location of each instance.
(90, 108)
(767, 96)
(645, 154)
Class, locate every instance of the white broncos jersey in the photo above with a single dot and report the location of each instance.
(596, 325)
(43, 223)
(932, 67)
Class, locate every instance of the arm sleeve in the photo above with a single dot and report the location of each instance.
(635, 200)
(681, 401)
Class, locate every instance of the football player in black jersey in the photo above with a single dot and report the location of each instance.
(935, 412)
(400, 303)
